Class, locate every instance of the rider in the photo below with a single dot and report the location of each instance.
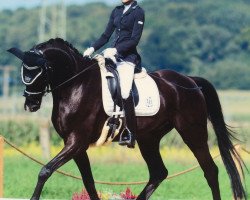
(127, 21)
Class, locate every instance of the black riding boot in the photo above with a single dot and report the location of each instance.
(128, 136)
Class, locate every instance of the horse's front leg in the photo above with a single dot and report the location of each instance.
(83, 164)
(72, 146)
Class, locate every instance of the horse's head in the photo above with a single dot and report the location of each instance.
(49, 65)
(33, 73)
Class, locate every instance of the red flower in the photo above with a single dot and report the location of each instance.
(128, 195)
(82, 196)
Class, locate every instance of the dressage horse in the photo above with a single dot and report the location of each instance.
(78, 117)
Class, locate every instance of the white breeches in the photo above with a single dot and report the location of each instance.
(126, 74)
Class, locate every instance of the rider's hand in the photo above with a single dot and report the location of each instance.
(109, 52)
(101, 60)
(89, 51)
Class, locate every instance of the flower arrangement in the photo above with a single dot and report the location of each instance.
(126, 195)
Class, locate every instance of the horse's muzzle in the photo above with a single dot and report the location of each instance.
(32, 106)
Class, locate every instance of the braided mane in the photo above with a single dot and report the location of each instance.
(59, 40)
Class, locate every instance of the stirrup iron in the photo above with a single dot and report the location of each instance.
(126, 140)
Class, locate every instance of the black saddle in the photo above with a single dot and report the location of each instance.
(114, 85)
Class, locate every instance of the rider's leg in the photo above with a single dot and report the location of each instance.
(126, 74)
(129, 135)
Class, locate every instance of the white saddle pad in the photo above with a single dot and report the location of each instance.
(149, 98)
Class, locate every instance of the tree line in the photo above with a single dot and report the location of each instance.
(207, 38)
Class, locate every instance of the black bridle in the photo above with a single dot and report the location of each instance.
(48, 71)
(45, 67)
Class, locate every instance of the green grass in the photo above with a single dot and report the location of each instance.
(20, 177)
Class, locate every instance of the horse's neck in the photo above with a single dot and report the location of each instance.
(86, 83)
(67, 65)
(82, 97)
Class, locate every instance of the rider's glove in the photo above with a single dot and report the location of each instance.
(89, 51)
(110, 53)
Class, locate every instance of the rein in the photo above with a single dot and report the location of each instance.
(70, 79)
(48, 90)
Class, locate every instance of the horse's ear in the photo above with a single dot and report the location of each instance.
(17, 52)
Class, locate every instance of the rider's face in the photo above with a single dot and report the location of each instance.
(126, 1)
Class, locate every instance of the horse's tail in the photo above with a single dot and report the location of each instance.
(224, 136)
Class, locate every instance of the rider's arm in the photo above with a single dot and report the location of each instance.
(107, 33)
(125, 46)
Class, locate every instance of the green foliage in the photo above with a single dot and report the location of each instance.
(198, 37)
(239, 74)
(20, 133)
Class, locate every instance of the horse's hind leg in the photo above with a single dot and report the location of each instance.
(196, 139)
(83, 164)
(149, 148)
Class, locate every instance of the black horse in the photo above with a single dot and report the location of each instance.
(78, 117)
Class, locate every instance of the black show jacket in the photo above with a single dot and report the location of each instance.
(128, 29)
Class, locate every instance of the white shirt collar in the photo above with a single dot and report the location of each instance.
(126, 7)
